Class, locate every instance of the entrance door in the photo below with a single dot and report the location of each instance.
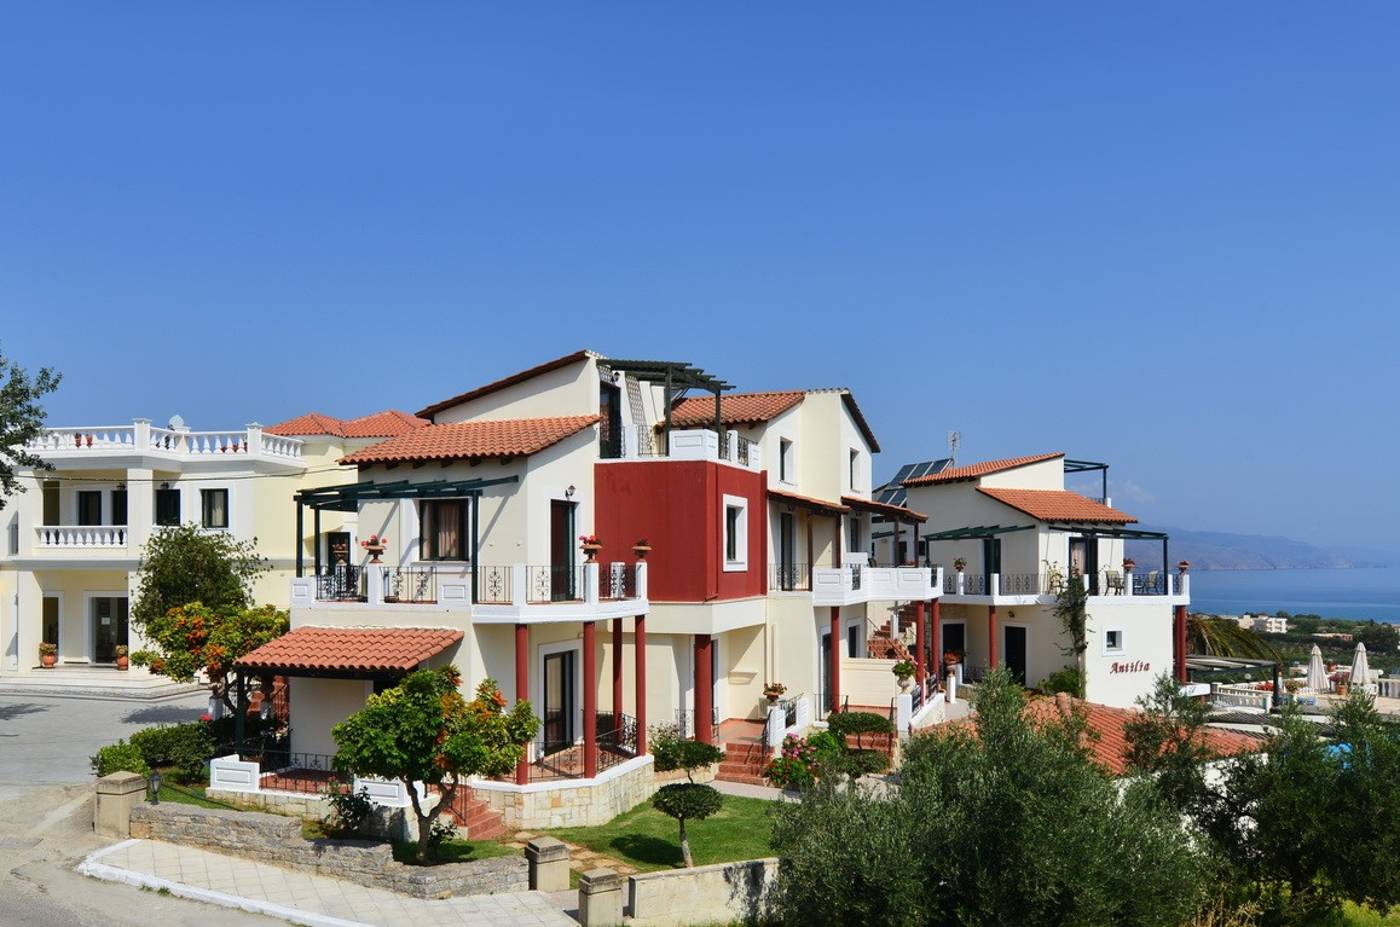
(787, 551)
(954, 640)
(610, 428)
(853, 641)
(1084, 559)
(991, 558)
(825, 675)
(337, 548)
(562, 585)
(558, 701)
(1015, 651)
(109, 620)
(51, 621)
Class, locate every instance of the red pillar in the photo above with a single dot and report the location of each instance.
(704, 690)
(1179, 634)
(936, 619)
(639, 644)
(617, 667)
(920, 646)
(835, 658)
(590, 700)
(991, 637)
(522, 691)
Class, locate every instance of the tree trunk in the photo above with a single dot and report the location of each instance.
(425, 821)
(685, 847)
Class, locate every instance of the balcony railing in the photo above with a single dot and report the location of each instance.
(85, 537)
(616, 581)
(1100, 583)
(553, 583)
(685, 444)
(604, 585)
(410, 584)
(685, 723)
(344, 582)
(493, 585)
(790, 577)
(143, 437)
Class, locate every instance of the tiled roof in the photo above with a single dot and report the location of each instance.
(821, 505)
(503, 382)
(734, 408)
(898, 511)
(465, 440)
(386, 424)
(350, 649)
(973, 471)
(1056, 505)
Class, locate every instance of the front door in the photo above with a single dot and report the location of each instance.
(109, 628)
(337, 548)
(991, 557)
(1083, 559)
(51, 621)
(1015, 651)
(787, 551)
(562, 585)
(610, 427)
(955, 639)
(853, 641)
(826, 672)
(558, 701)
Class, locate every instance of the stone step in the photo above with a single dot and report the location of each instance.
(742, 778)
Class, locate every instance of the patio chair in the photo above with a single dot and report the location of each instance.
(1114, 581)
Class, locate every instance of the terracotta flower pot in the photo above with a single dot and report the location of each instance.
(641, 550)
(48, 660)
(591, 551)
(123, 662)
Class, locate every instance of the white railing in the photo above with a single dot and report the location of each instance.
(1388, 688)
(1241, 695)
(693, 444)
(85, 536)
(143, 437)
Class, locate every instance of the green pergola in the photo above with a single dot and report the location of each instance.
(348, 496)
(1092, 532)
(677, 377)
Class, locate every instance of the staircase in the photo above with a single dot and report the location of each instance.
(744, 762)
(475, 816)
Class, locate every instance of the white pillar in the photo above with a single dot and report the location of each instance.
(374, 583)
(590, 583)
(775, 727)
(1127, 582)
(641, 579)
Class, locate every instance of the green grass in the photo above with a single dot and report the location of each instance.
(457, 851)
(189, 795)
(649, 840)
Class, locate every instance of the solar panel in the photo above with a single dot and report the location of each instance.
(892, 495)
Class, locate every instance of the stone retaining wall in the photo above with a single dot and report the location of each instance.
(571, 803)
(720, 894)
(277, 839)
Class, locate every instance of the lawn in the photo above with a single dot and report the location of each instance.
(189, 795)
(649, 840)
(456, 851)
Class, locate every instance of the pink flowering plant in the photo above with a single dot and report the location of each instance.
(795, 767)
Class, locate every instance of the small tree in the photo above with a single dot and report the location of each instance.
(21, 420)
(183, 564)
(1072, 608)
(689, 800)
(194, 637)
(422, 730)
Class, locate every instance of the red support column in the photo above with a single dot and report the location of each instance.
(704, 690)
(522, 691)
(920, 646)
(1179, 633)
(617, 667)
(639, 644)
(936, 619)
(991, 637)
(590, 700)
(835, 658)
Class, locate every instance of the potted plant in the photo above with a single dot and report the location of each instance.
(375, 545)
(641, 548)
(48, 655)
(774, 691)
(951, 658)
(123, 660)
(960, 564)
(1184, 565)
(904, 672)
(590, 546)
(1128, 564)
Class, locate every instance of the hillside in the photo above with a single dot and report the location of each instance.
(1218, 550)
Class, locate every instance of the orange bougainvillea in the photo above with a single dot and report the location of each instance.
(191, 638)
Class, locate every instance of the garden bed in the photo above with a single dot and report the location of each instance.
(649, 840)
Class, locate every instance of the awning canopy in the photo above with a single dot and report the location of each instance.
(897, 512)
(978, 533)
(348, 653)
(347, 496)
(808, 502)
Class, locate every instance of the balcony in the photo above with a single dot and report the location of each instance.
(1042, 588)
(516, 594)
(686, 444)
(141, 438)
(855, 583)
(80, 537)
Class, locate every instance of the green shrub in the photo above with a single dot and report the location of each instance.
(1068, 680)
(795, 767)
(350, 810)
(858, 723)
(185, 747)
(825, 744)
(119, 757)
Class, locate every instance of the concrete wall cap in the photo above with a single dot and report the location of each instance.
(542, 848)
(121, 783)
(599, 880)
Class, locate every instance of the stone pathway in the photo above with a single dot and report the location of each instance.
(304, 898)
(581, 859)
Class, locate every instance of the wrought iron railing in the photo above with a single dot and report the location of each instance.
(1020, 583)
(553, 583)
(343, 582)
(974, 584)
(743, 449)
(790, 577)
(493, 585)
(950, 583)
(1151, 582)
(617, 738)
(789, 707)
(287, 771)
(855, 576)
(556, 759)
(617, 581)
(685, 723)
(417, 585)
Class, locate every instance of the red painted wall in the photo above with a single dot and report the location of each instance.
(677, 506)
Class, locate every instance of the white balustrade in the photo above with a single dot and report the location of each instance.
(82, 536)
(205, 443)
(100, 438)
(278, 446)
(141, 437)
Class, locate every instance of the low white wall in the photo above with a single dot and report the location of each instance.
(868, 682)
(720, 894)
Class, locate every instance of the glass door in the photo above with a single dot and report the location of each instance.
(558, 701)
(50, 618)
(1015, 651)
(562, 586)
(787, 551)
(109, 619)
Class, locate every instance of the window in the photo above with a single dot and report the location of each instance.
(853, 543)
(736, 534)
(785, 461)
(1113, 640)
(855, 468)
(213, 506)
(442, 533)
(119, 506)
(51, 516)
(167, 507)
(14, 538)
(89, 507)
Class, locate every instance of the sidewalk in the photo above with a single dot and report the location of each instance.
(303, 898)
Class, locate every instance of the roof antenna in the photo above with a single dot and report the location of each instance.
(954, 439)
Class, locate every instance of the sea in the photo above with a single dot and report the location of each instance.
(1358, 593)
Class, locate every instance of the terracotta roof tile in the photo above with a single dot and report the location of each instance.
(351, 649)
(465, 440)
(386, 424)
(884, 508)
(1056, 505)
(503, 382)
(734, 408)
(821, 505)
(973, 471)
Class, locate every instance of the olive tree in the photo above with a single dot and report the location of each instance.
(689, 800)
(21, 420)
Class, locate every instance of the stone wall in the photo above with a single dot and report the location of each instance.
(277, 839)
(387, 822)
(571, 802)
(720, 894)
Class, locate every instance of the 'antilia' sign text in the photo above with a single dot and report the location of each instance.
(1136, 666)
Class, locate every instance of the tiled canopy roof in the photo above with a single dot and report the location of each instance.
(810, 502)
(386, 424)
(348, 650)
(1056, 505)
(897, 512)
(466, 440)
(734, 408)
(503, 382)
(973, 471)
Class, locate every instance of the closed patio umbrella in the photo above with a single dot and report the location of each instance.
(1360, 671)
(1317, 673)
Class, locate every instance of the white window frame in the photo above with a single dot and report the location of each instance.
(741, 543)
(1122, 641)
(537, 682)
(853, 467)
(787, 462)
(228, 507)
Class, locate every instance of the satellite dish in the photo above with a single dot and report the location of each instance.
(176, 423)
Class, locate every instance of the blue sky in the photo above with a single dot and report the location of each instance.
(1165, 238)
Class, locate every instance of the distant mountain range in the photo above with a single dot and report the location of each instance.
(1217, 550)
